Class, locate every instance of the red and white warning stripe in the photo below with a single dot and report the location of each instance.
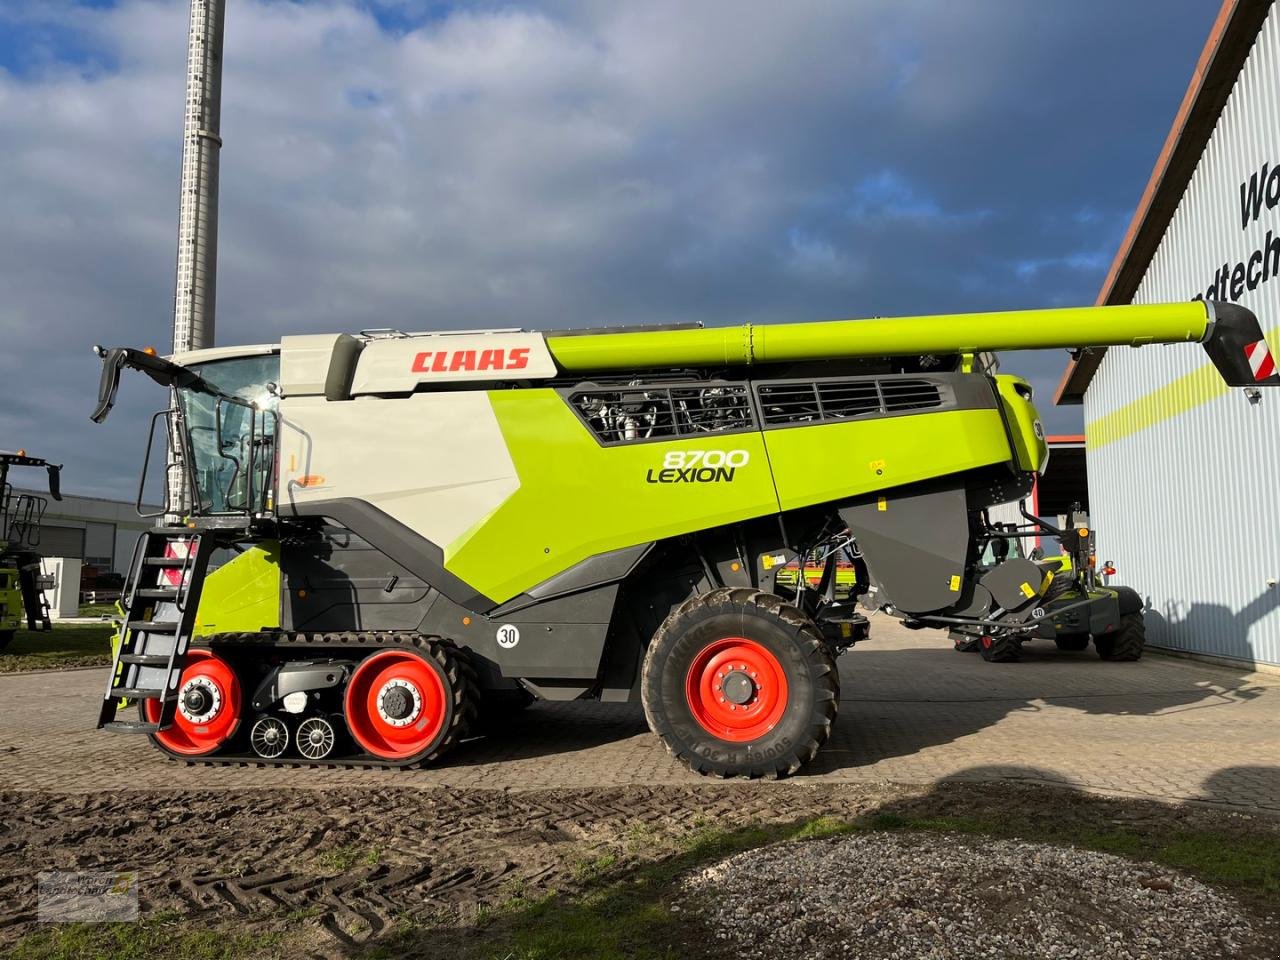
(1260, 360)
(174, 550)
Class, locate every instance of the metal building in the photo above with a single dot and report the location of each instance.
(99, 532)
(1184, 474)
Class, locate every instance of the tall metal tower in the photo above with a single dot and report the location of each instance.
(195, 289)
(194, 295)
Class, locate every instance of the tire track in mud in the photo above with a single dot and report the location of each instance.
(353, 863)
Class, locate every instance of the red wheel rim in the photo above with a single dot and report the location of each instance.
(412, 681)
(195, 734)
(741, 670)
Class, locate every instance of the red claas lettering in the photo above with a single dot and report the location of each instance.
(446, 361)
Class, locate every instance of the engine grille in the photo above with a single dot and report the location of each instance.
(828, 400)
(655, 413)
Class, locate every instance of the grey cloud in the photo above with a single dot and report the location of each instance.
(578, 163)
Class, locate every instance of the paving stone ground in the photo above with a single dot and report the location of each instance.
(912, 711)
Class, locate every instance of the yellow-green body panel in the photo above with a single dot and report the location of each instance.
(578, 499)
(12, 612)
(243, 595)
(831, 461)
(1025, 429)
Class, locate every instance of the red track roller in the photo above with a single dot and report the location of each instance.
(208, 706)
(397, 704)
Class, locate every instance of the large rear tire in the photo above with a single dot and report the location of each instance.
(738, 683)
(1124, 643)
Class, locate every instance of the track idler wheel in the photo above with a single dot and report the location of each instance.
(269, 737)
(405, 705)
(315, 738)
(208, 713)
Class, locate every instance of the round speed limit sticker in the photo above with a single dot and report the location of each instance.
(508, 636)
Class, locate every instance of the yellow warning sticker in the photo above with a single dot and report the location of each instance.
(882, 504)
(955, 584)
(877, 466)
(769, 560)
(1027, 590)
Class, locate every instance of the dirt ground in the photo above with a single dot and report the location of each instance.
(342, 872)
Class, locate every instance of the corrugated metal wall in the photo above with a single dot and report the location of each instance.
(1189, 507)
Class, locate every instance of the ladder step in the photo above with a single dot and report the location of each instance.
(157, 593)
(136, 693)
(146, 659)
(165, 561)
(131, 726)
(153, 626)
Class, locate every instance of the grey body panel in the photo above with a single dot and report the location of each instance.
(562, 637)
(594, 571)
(915, 541)
(410, 550)
(335, 580)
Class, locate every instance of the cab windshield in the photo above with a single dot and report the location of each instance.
(232, 438)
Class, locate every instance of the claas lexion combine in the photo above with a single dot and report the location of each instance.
(391, 538)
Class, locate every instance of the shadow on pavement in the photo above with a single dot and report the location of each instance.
(896, 702)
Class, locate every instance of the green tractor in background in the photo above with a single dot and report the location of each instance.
(21, 583)
(1077, 607)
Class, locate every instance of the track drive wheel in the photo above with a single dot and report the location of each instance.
(1000, 649)
(1124, 643)
(409, 705)
(208, 714)
(738, 683)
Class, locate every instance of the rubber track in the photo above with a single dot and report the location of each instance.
(461, 673)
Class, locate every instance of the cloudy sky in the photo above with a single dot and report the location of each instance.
(423, 165)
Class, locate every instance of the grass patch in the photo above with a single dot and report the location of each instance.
(99, 610)
(339, 859)
(66, 645)
(143, 940)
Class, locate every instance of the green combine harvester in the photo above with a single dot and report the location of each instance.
(21, 588)
(415, 533)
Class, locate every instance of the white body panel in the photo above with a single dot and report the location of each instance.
(437, 462)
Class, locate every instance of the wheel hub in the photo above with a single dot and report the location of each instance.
(200, 699)
(399, 703)
(738, 687)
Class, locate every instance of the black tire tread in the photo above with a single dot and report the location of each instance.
(1124, 644)
(1004, 649)
(1072, 642)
